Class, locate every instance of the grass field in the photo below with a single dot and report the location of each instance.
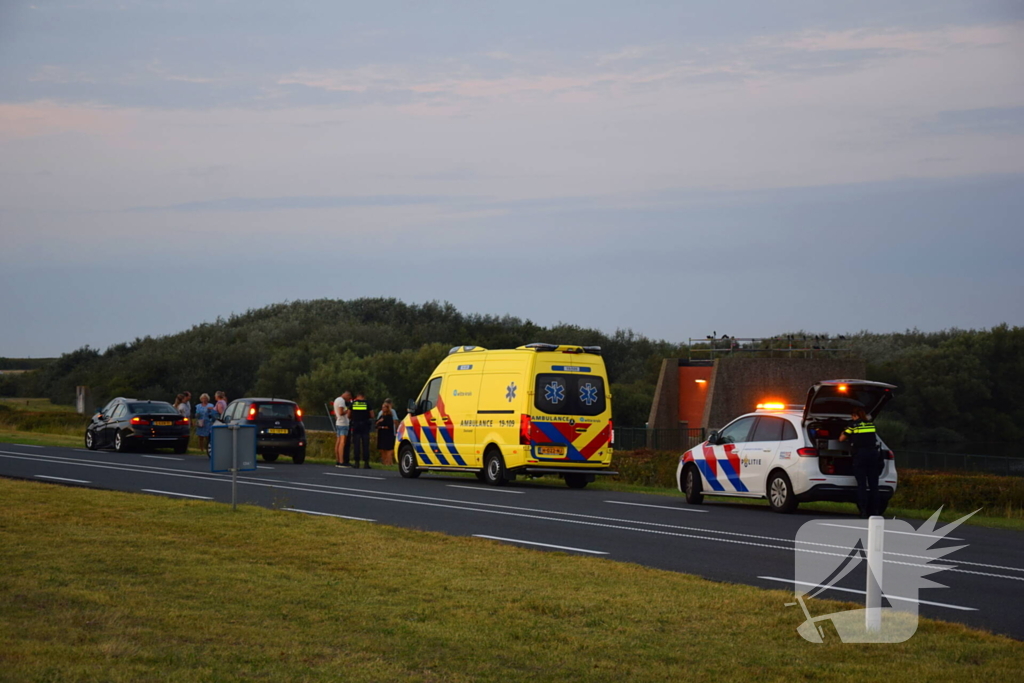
(107, 586)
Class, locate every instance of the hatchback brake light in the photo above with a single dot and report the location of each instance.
(252, 414)
(298, 414)
(525, 427)
(139, 421)
(807, 452)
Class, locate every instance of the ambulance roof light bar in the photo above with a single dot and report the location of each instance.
(465, 349)
(564, 348)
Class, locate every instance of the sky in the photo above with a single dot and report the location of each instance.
(674, 168)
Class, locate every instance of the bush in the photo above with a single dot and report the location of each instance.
(644, 467)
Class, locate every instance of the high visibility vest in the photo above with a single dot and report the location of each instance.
(360, 411)
(862, 436)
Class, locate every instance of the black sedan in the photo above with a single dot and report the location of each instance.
(126, 424)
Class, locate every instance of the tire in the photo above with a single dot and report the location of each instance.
(494, 468)
(299, 457)
(693, 487)
(576, 481)
(269, 457)
(780, 493)
(181, 447)
(480, 476)
(407, 462)
(120, 444)
(90, 440)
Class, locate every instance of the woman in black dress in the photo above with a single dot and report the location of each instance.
(386, 433)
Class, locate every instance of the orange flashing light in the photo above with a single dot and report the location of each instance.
(771, 406)
(842, 388)
(701, 381)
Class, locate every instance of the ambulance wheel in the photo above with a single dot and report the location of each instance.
(692, 486)
(481, 476)
(576, 481)
(494, 468)
(780, 493)
(407, 462)
(269, 457)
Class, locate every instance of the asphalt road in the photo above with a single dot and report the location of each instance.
(723, 541)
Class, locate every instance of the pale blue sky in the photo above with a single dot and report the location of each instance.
(674, 168)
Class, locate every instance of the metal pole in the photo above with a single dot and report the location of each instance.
(234, 465)
(876, 543)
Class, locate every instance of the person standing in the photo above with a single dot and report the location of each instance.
(206, 413)
(179, 404)
(187, 412)
(362, 417)
(341, 427)
(867, 458)
(222, 402)
(386, 433)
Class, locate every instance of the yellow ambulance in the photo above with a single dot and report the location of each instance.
(534, 410)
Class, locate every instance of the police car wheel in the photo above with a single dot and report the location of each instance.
(692, 486)
(780, 493)
(494, 469)
(407, 462)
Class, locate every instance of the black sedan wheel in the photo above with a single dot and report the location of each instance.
(90, 440)
(120, 443)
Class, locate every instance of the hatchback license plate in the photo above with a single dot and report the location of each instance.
(163, 424)
(277, 431)
(550, 450)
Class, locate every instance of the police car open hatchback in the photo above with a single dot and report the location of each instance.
(789, 453)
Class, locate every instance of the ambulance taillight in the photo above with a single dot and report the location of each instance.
(525, 427)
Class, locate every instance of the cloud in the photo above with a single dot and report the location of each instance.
(985, 121)
(237, 204)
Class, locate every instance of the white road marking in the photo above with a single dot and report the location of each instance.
(76, 481)
(27, 445)
(892, 531)
(163, 457)
(860, 592)
(543, 545)
(660, 507)
(172, 493)
(353, 476)
(84, 450)
(481, 488)
(481, 507)
(328, 514)
(263, 467)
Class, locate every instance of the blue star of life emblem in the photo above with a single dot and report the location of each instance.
(588, 394)
(510, 392)
(554, 393)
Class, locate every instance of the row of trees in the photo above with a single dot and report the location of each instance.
(309, 351)
(954, 384)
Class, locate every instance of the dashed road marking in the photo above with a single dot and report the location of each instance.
(543, 545)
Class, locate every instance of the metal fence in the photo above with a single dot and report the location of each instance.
(318, 423)
(960, 462)
(632, 438)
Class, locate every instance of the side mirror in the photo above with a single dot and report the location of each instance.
(411, 406)
(713, 438)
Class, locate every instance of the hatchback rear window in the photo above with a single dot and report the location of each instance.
(558, 394)
(151, 408)
(275, 411)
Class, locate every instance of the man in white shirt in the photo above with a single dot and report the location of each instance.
(341, 423)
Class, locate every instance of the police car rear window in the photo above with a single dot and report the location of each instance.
(569, 394)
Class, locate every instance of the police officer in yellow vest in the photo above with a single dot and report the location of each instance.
(867, 461)
(361, 419)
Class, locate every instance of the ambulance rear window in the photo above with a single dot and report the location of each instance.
(569, 394)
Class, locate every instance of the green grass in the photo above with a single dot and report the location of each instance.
(36, 405)
(108, 586)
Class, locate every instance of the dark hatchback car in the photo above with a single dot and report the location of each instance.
(279, 426)
(126, 424)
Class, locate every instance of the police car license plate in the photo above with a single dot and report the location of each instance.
(277, 431)
(163, 424)
(550, 450)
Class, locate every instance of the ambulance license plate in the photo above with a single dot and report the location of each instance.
(550, 450)
(277, 431)
(163, 424)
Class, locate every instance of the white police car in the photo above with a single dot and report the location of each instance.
(789, 453)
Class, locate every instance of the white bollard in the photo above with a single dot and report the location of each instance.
(876, 544)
